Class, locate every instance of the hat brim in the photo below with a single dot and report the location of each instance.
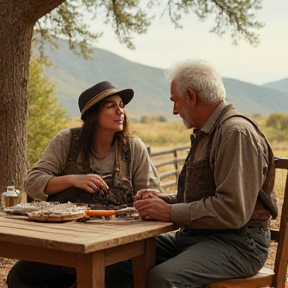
(125, 94)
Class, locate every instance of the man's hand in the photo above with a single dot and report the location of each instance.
(153, 209)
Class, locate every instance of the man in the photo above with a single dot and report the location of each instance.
(225, 189)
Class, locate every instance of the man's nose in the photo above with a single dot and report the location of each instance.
(175, 111)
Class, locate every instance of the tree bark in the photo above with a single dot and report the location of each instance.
(17, 19)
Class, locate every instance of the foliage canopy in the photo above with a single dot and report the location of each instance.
(128, 17)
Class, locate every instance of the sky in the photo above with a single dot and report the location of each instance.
(163, 45)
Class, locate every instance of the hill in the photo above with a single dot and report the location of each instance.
(73, 74)
(281, 85)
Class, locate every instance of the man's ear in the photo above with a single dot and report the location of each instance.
(191, 95)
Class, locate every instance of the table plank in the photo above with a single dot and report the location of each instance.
(38, 254)
(76, 236)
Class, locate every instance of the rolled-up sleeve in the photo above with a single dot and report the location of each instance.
(143, 172)
(51, 163)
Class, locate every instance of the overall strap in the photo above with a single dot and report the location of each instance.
(265, 194)
(75, 150)
(123, 161)
(74, 147)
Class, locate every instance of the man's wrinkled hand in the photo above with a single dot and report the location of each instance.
(153, 209)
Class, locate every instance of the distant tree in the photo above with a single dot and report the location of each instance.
(162, 118)
(152, 118)
(144, 119)
(256, 117)
(277, 121)
(45, 116)
(276, 127)
(18, 20)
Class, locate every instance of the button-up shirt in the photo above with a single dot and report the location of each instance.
(239, 161)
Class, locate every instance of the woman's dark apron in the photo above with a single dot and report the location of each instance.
(120, 189)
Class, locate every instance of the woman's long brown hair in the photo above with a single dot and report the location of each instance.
(86, 136)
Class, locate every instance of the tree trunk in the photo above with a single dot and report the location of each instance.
(15, 39)
(17, 19)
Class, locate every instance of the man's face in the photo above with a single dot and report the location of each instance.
(182, 106)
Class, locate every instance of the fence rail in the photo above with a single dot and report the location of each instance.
(168, 164)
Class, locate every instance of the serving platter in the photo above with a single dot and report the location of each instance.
(58, 213)
(53, 217)
(22, 209)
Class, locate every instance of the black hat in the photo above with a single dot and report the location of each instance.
(96, 93)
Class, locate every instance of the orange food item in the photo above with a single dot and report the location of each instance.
(100, 212)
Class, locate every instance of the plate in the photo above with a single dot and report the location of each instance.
(40, 217)
(21, 209)
(59, 213)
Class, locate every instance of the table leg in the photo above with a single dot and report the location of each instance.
(143, 263)
(91, 270)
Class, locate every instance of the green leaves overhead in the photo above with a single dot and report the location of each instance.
(126, 18)
(71, 20)
(236, 17)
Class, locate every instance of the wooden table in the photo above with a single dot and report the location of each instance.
(88, 247)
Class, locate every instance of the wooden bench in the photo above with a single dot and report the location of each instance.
(267, 277)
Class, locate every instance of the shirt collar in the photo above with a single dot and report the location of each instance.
(210, 123)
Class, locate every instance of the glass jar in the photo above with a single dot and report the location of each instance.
(10, 197)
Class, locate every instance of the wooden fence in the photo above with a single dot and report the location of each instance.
(168, 164)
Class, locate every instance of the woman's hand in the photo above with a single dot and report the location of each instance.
(147, 193)
(91, 182)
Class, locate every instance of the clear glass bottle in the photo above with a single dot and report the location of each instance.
(10, 197)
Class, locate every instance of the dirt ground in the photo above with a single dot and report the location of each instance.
(5, 266)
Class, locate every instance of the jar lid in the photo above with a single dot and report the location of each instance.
(11, 191)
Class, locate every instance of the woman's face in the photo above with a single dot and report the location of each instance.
(111, 114)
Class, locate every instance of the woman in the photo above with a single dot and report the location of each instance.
(100, 163)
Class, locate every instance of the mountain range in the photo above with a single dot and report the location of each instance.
(73, 74)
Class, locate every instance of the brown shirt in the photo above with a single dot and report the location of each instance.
(54, 158)
(239, 160)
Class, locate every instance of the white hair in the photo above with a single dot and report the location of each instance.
(200, 76)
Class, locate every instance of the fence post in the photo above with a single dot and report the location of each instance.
(149, 150)
(176, 166)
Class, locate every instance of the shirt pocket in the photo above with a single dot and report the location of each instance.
(199, 181)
